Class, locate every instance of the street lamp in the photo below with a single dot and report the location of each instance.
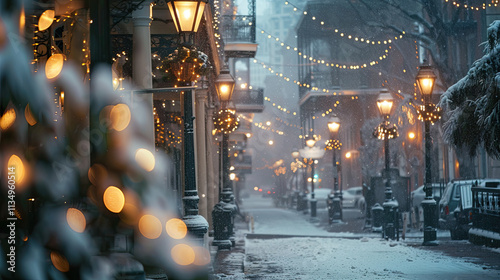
(335, 207)
(425, 80)
(227, 122)
(187, 15)
(295, 167)
(310, 142)
(386, 131)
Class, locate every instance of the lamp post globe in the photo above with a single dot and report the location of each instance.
(310, 141)
(425, 81)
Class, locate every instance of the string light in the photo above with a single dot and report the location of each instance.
(344, 34)
(262, 126)
(342, 66)
(494, 3)
(386, 130)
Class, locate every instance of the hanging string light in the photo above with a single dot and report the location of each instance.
(333, 144)
(429, 112)
(262, 126)
(480, 6)
(344, 34)
(343, 66)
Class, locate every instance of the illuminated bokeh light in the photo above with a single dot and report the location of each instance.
(145, 159)
(202, 256)
(76, 220)
(120, 117)
(150, 227)
(54, 66)
(19, 170)
(8, 119)
(97, 174)
(183, 254)
(46, 19)
(176, 228)
(130, 211)
(59, 261)
(29, 116)
(113, 198)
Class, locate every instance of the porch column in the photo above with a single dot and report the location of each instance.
(142, 69)
(201, 150)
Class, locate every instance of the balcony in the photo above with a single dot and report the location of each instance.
(248, 100)
(238, 32)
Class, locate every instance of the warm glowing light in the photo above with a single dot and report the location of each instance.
(97, 173)
(186, 14)
(76, 220)
(268, 123)
(249, 135)
(114, 200)
(29, 116)
(150, 226)
(54, 66)
(348, 155)
(183, 254)
(130, 212)
(145, 159)
(271, 142)
(176, 228)
(120, 117)
(18, 168)
(255, 188)
(202, 256)
(411, 135)
(232, 176)
(59, 261)
(8, 119)
(46, 19)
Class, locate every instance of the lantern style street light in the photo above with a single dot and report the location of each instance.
(425, 81)
(386, 132)
(186, 15)
(310, 142)
(334, 201)
(225, 209)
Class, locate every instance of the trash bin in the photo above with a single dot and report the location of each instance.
(377, 217)
(221, 218)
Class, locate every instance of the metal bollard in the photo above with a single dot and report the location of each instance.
(221, 218)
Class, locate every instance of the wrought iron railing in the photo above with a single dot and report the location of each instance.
(248, 97)
(238, 28)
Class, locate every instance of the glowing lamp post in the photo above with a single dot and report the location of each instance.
(334, 202)
(310, 142)
(425, 80)
(386, 132)
(295, 167)
(187, 15)
(223, 225)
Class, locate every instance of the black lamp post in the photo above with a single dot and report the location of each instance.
(425, 80)
(295, 167)
(310, 141)
(187, 16)
(386, 131)
(384, 103)
(335, 213)
(223, 211)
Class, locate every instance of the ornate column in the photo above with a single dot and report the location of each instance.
(201, 151)
(212, 161)
(142, 69)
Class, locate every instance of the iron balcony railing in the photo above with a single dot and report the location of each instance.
(238, 28)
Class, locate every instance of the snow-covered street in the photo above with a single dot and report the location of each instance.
(285, 245)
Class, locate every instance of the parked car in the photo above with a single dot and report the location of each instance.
(416, 198)
(351, 197)
(455, 207)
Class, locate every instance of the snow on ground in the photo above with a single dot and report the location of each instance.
(365, 258)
